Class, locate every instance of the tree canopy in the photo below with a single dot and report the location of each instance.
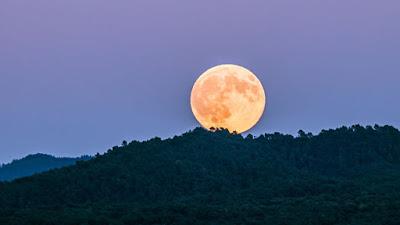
(348, 175)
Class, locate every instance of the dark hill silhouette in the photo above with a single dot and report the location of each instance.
(342, 176)
(34, 163)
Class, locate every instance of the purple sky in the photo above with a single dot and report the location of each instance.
(79, 76)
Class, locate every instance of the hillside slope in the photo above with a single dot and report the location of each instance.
(342, 176)
(35, 163)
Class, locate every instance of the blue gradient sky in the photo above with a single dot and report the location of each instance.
(79, 76)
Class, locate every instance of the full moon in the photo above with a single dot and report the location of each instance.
(228, 96)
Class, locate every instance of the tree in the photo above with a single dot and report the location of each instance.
(124, 143)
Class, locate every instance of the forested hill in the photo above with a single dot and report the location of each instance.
(35, 163)
(342, 176)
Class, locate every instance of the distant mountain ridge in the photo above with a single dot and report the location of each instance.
(35, 163)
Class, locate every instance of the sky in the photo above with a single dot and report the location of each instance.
(79, 76)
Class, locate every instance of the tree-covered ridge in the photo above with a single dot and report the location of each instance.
(348, 175)
(35, 163)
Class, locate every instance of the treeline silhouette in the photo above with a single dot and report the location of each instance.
(348, 175)
(35, 163)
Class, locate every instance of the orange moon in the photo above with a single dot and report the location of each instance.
(228, 96)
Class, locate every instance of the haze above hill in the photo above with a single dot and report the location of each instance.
(35, 163)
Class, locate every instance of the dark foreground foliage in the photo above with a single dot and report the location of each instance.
(343, 176)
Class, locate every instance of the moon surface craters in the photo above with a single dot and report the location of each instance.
(228, 96)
